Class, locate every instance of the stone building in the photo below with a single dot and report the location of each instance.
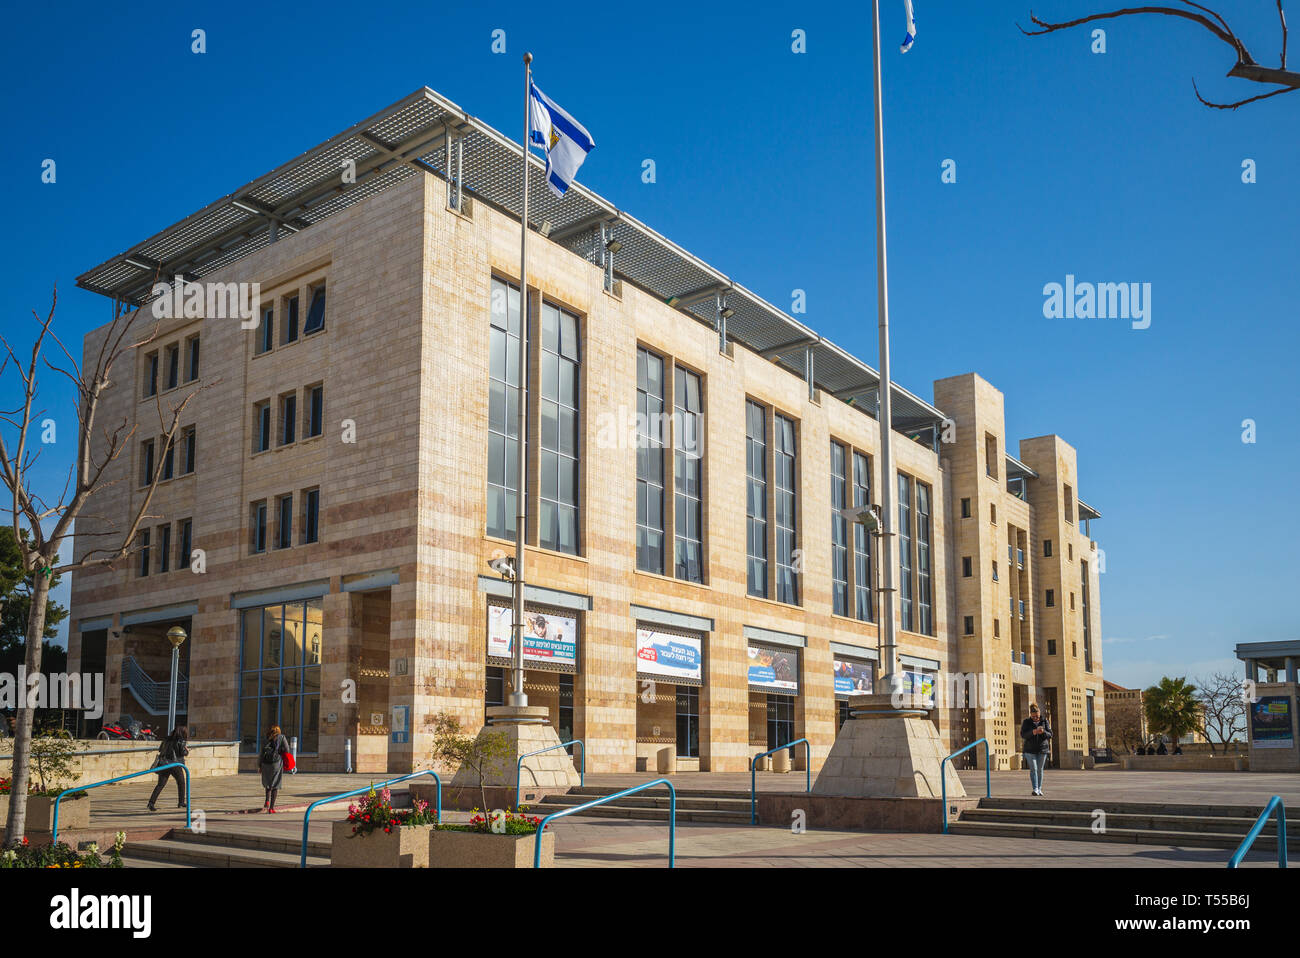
(345, 475)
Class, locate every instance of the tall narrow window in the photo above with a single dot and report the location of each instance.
(151, 375)
(310, 516)
(146, 462)
(1069, 504)
(905, 618)
(191, 359)
(164, 548)
(288, 418)
(923, 564)
(262, 426)
(169, 461)
(649, 461)
(862, 571)
(787, 582)
(186, 545)
(990, 455)
(839, 532)
(315, 311)
(266, 331)
(257, 526)
(315, 410)
(284, 521)
(756, 498)
(173, 366)
(503, 406)
(188, 450)
(1087, 625)
(557, 511)
(144, 552)
(289, 330)
(688, 463)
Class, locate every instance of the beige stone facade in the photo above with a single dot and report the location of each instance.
(392, 600)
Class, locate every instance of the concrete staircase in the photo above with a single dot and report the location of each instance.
(1142, 823)
(693, 805)
(224, 849)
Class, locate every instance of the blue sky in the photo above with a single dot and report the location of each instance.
(1103, 166)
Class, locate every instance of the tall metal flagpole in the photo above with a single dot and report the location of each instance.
(886, 629)
(517, 695)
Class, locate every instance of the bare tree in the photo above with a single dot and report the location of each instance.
(49, 523)
(1223, 709)
(1245, 68)
(1124, 728)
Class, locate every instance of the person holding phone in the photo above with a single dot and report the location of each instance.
(1036, 733)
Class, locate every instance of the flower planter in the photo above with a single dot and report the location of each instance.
(73, 813)
(451, 849)
(404, 847)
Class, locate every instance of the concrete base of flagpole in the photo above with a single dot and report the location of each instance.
(889, 749)
(526, 729)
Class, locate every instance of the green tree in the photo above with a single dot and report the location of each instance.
(1172, 708)
(15, 610)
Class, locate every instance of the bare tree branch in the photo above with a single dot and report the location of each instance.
(1245, 68)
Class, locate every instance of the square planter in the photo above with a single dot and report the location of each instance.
(73, 813)
(449, 849)
(406, 847)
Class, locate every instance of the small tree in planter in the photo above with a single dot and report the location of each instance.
(53, 764)
(481, 754)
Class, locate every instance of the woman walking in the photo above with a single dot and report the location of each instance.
(1036, 733)
(273, 753)
(172, 750)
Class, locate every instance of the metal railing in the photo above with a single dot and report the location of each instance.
(519, 765)
(306, 819)
(153, 694)
(54, 824)
(605, 799)
(943, 779)
(753, 773)
(1274, 804)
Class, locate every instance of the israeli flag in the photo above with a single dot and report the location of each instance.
(565, 140)
(911, 28)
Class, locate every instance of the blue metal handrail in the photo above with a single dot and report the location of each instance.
(54, 825)
(672, 817)
(1273, 803)
(943, 779)
(519, 765)
(753, 773)
(306, 819)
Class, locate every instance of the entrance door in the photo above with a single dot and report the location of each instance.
(1054, 719)
(780, 720)
(688, 721)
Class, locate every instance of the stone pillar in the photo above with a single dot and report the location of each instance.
(1290, 668)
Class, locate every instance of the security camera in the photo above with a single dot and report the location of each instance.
(503, 566)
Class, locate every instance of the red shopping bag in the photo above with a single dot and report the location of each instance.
(289, 762)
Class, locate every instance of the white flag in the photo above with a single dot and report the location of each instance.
(911, 28)
(565, 140)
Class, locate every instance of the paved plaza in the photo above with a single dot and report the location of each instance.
(233, 804)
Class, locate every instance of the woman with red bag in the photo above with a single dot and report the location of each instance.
(275, 756)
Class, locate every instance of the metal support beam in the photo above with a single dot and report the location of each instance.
(584, 225)
(720, 304)
(698, 296)
(607, 255)
(775, 351)
(809, 372)
(852, 391)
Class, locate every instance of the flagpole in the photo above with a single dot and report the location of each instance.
(518, 697)
(885, 629)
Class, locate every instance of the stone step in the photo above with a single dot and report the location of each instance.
(288, 844)
(131, 861)
(211, 855)
(596, 790)
(650, 800)
(1033, 803)
(1130, 836)
(1150, 822)
(618, 810)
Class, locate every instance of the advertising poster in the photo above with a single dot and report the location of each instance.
(1270, 722)
(672, 656)
(919, 683)
(851, 677)
(547, 637)
(771, 669)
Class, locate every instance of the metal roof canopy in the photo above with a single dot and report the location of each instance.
(414, 135)
(1087, 512)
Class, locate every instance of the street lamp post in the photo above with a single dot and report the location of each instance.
(176, 636)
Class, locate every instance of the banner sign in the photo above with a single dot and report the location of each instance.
(547, 637)
(851, 677)
(772, 669)
(919, 683)
(672, 656)
(1270, 722)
